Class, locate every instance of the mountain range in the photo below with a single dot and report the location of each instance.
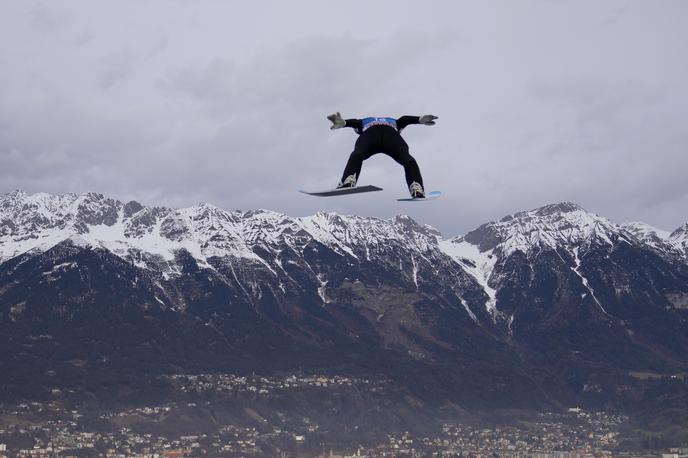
(553, 306)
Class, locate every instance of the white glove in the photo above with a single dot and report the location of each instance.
(428, 120)
(337, 121)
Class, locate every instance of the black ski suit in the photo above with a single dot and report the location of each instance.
(382, 135)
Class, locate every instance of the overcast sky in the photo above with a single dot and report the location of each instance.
(180, 102)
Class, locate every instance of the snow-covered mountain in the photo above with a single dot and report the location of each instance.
(552, 282)
(565, 226)
(552, 226)
(670, 243)
(679, 239)
(39, 221)
(650, 235)
(152, 237)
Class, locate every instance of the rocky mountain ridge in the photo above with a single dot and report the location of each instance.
(544, 304)
(150, 236)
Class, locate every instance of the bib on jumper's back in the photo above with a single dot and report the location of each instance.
(370, 122)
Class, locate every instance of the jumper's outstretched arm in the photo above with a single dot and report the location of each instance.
(338, 122)
(428, 120)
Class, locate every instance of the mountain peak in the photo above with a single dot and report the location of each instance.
(16, 193)
(561, 207)
(41, 220)
(553, 225)
(555, 209)
(681, 232)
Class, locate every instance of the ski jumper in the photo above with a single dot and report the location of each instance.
(382, 135)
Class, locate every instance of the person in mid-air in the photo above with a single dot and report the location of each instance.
(382, 135)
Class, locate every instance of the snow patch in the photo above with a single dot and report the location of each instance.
(415, 272)
(469, 311)
(321, 290)
(576, 269)
(479, 265)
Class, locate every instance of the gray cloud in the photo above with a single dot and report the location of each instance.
(177, 103)
(115, 67)
(47, 19)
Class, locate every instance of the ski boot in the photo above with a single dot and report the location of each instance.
(349, 182)
(416, 190)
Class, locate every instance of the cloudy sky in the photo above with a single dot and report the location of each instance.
(180, 102)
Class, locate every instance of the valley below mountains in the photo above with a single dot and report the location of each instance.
(108, 305)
